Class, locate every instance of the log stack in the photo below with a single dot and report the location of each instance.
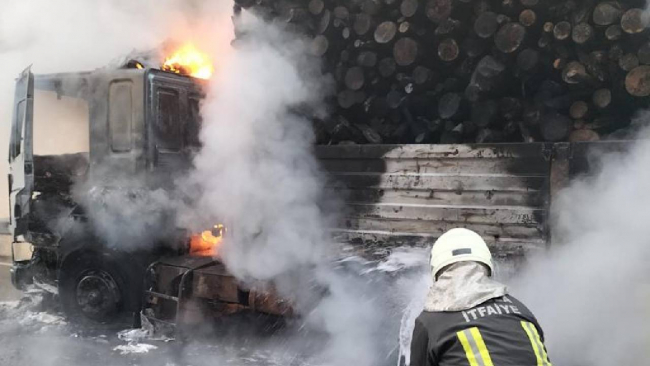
(473, 71)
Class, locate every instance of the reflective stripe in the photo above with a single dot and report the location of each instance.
(485, 355)
(536, 343)
(468, 349)
(540, 345)
(474, 346)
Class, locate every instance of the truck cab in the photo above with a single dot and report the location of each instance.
(77, 134)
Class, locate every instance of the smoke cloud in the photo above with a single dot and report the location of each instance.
(256, 168)
(258, 175)
(591, 291)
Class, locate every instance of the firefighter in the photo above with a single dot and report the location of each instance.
(469, 318)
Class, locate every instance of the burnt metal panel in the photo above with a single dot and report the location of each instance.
(410, 194)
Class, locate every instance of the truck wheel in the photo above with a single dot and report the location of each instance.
(94, 291)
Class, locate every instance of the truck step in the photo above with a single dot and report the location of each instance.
(162, 296)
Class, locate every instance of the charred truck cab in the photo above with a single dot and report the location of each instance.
(101, 126)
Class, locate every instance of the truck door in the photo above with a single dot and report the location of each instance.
(21, 161)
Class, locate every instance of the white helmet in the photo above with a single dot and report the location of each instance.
(459, 245)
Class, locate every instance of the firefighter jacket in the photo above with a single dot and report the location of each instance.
(498, 332)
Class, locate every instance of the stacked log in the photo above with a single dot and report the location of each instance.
(463, 71)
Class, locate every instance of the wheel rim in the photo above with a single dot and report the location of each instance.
(98, 295)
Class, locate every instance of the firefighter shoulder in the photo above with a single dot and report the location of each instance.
(469, 319)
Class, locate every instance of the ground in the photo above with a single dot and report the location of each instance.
(34, 334)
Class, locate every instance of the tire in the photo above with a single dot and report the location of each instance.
(95, 290)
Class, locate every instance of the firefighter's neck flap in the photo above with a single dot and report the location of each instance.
(462, 286)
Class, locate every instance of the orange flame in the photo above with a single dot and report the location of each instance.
(207, 243)
(187, 60)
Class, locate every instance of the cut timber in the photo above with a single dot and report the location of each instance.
(628, 62)
(562, 30)
(510, 37)
(481, 6)
(527, 17)
(354, 78)
(370, 134)
(486, 24)
(449, 105)
(613, 32)
(637, 81)
(367, 59)
(602, 98)
(528, 59)
(438, 10)
(448, 50)
(371, 7)
(574, 72)
(319, 45)
(385, 32)
(362, 24)
(409, 8)
(324, 22)
(578, 110)
(555, 127)
(405, 51)
(447, 27)
(634, 21)
(559, 63)
(485, 78)
(582, 33)
(404, 27)
(544, 41)
(421, 75)
(644, 54)
(548, 27)
(341, 12)
(316, 6)
(583, 135)
(607, 13)
(387, 67)
(346, 99)
(294, 15)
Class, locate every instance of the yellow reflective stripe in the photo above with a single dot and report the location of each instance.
(536, 343)
(468, 349)
(474, 346)
(542, 350)
(485, 355)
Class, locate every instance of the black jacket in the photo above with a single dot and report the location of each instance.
(499, 332)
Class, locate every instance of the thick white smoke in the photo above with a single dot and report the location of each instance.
(257, 173)
(256, 168)
(591, 292)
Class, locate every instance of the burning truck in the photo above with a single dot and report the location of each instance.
(135, 121)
